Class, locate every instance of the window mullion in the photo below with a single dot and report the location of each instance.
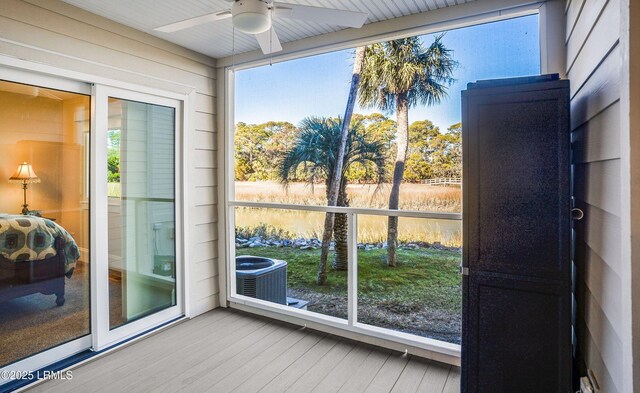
(352, 285)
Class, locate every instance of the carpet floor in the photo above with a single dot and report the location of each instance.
(33, 323)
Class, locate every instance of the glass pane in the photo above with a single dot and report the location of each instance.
(292, 135)
(44, 255)
(277, 257)
(141, 176)
(422, 294)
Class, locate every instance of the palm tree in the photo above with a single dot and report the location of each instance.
(337, 174)
(315, 151)
(398, 75)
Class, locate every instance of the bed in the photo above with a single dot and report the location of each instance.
(36, 255)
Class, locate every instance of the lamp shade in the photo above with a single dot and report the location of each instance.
(24, 174)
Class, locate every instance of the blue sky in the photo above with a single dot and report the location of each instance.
(319, 85)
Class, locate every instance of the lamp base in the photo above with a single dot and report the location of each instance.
(25, 210)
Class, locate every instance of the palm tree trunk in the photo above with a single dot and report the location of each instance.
(336, 176)
(340, 230)
(402, 141)
(329, 220)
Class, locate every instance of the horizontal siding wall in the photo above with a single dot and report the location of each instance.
(54, 33)
(631, 99)
(594, 65)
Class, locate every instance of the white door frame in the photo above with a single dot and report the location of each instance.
(104, 337)
(31, 73)
(54, 354)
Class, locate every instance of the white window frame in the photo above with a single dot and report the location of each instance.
(551, 55)
(448, 351)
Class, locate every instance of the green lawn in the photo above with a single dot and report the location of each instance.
(424, 277)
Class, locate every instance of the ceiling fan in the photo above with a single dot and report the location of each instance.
(254, 17)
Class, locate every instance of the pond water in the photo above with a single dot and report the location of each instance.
(371, 229)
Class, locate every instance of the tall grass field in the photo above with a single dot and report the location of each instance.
(419, 197)
(371, 229)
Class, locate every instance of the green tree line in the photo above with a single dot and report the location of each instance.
(431, 154)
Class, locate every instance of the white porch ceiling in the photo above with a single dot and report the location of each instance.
(216, 39)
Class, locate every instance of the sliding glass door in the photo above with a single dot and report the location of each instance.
(136, 183)
(45, 249)
(90, 235)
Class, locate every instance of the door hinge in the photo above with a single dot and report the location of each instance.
(464, 270)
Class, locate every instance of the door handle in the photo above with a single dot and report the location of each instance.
(577, 214)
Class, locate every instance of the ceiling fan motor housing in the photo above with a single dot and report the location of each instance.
(251, 16)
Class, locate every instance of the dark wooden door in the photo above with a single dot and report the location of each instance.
(516, 223)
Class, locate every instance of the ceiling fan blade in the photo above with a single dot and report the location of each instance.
(329, 16)
(269, 42)
(198, 20)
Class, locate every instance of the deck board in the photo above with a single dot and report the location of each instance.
(309, 380)
(288, 377)
(187, 351)
(215, 368)
(434, 379)
(453, 381)
(118, 363)
(411, 376)
(265, 358)
(228, 340)
(387, 376)
(252, 382)
(231, 351)
(341, 373)
(149, 370)
(359, 381)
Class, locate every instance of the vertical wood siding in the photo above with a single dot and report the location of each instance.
(57, 34)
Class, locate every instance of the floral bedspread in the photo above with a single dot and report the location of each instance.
(29, 238)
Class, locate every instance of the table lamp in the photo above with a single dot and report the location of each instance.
(25, 175)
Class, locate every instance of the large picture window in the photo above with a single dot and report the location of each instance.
(391, 266)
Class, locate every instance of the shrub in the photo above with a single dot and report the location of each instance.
(264, 231)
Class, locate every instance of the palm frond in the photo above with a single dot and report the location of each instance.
(316, 150)
(405, 67)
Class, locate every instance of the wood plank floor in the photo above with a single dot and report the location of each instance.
(231, 351)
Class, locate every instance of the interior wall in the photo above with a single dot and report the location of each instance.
(74, 207)
(594, 66)
(30, 138)
(48, 134)
(56, 34)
